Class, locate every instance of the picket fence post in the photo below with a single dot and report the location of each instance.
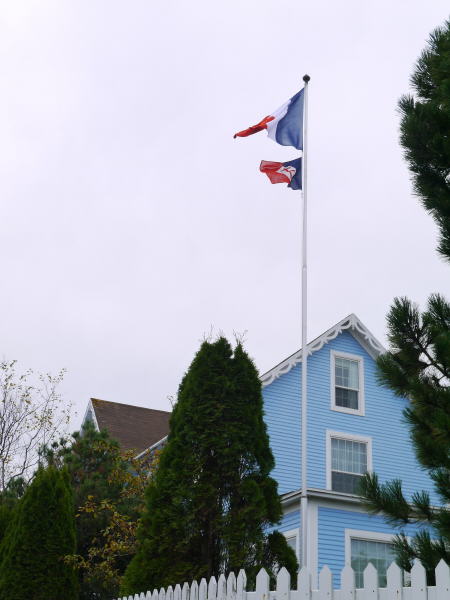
(241, 586)
(370, 578)
(194, 591)
(304, 584)
(347, 583)
(419, 581)
(212, 588)
(222, 588)
(325, 584)
(442, 581)
(394, 577)
(231, 586)
(283, 584)
(262, 585)
(202, 589)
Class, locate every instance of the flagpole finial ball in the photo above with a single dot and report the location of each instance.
(306, 78)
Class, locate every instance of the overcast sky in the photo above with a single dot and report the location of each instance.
(131, 222)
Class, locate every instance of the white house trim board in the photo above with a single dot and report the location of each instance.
(313, 539)
(347, 501)
(367, 340)
(152, 447)
(361, 402)
(345, 436)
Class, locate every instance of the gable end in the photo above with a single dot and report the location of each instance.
(367, 340)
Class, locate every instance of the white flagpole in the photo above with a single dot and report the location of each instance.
(304, 406)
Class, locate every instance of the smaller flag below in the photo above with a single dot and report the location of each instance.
(288, 172)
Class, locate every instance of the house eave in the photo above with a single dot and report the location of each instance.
(318, 494)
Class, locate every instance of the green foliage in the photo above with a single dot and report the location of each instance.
(98, 473)
(212, 497)
(418, 363)
(424, 131)
(42, 533)
(9, 499)
(418, 367)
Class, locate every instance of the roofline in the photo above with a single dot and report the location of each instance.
(152, 447)
(167, 412)
(362, 334)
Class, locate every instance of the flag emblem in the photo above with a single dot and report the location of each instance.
(289, 172)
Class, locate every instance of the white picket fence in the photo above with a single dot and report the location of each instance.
(233, 588)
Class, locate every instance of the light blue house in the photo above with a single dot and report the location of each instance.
(354, 425)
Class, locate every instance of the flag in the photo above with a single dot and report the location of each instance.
(285, 125)
(288, 172)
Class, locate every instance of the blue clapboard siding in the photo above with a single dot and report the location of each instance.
(290, 520)
(282, 416)
(332, 524)
(393, 455)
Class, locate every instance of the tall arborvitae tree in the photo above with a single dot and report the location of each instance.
(43, 532)
(418, 363)
(212, 498)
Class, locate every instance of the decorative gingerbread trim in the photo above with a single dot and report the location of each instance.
(360, 331)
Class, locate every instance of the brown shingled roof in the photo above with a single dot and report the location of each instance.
(134, 427)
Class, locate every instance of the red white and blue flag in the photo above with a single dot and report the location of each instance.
(284, 125)
(288, 172)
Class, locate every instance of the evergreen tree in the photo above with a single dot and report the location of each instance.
(418, 367)
(90, 457)
(424, 131)
(418, 363)
(212, 498)
(43, 532)
(9, 498)
(98, 472)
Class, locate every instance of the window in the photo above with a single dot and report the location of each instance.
(347, 383)
(292, 540)
(348, 458)
(364, 547)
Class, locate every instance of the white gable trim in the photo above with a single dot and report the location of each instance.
(154, 446)
(90, 409)
(367, 340)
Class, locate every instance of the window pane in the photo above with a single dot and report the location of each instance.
(292, 543)
(380, 554)
(345, 482)
(346, 373)
(348, 456)
(346, 398)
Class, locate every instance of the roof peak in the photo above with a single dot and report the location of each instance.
(350, 322)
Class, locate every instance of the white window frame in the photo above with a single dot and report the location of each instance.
(370, 536)
(367, 536)
(352, 438)
(294, 533)
(361, 401)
